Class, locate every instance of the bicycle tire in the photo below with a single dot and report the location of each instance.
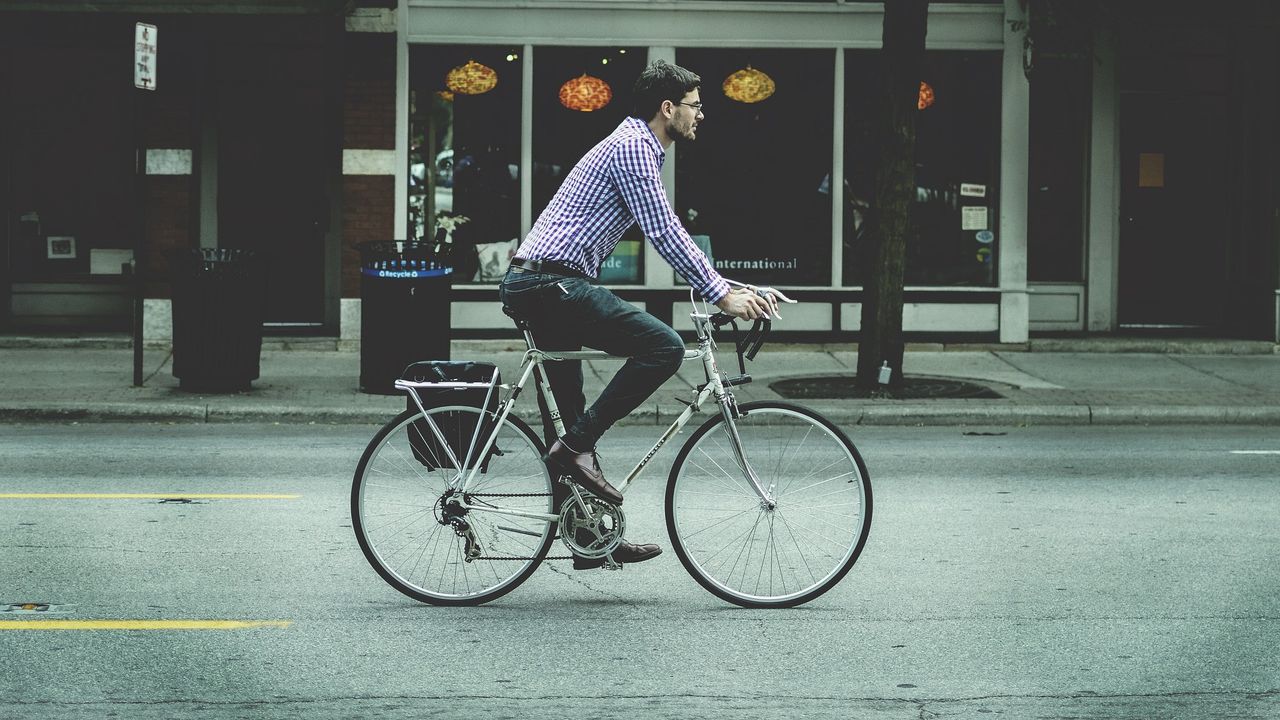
(778, 438)
(407, 478)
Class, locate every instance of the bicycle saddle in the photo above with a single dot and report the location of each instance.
(520, 321)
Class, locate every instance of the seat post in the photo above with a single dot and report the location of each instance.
(522, 325)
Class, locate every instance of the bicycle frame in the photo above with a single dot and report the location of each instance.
(534, 359)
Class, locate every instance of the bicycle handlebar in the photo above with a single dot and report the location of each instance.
(748, 346)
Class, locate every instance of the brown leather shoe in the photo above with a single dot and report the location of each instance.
(626, 553)
(583, 469)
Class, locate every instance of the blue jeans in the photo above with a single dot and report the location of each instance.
(567, 313)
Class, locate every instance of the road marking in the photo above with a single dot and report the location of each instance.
(140, 624)
(1255, 452)
(144, 496)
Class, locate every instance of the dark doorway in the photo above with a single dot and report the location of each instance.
(273, 146)
(1174, 228)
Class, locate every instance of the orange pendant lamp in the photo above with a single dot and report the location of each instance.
(585, 93)
(471, 79)
(926, 96)
(748, 85)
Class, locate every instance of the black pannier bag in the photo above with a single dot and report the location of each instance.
(458, 429)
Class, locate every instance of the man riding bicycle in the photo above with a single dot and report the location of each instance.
(615, 185)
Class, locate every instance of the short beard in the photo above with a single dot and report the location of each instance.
(677, 136)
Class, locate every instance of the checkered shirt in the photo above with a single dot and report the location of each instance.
(616, 184)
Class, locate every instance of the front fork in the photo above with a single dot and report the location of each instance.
(730, 412)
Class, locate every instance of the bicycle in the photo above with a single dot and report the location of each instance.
(768, 504)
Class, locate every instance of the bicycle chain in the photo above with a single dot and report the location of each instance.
(549, 557)
(508, 494)
(557, 557)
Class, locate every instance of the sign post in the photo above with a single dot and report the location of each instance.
(144, 78)
(144, 56)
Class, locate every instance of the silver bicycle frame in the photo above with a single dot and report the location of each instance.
(534, 358)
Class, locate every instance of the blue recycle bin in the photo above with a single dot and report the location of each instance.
(404, 310)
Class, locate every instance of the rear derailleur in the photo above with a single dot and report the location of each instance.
(450, 513)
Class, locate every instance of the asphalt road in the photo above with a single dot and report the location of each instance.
(1032, 572)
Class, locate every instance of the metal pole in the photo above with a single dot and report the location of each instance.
(139, 227)
(140, 187)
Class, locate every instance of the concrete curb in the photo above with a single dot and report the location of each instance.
(846, 415)
(1159, 346)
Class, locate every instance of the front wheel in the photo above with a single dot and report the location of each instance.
(737, 546)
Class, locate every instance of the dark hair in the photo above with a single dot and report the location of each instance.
(660, 81)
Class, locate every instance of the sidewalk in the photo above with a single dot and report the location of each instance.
(1058, 382)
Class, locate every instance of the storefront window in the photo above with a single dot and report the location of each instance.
(69, 157)
(465, 154)
(954, 241)
(579, 97)
(1060, 118)
(754, 186)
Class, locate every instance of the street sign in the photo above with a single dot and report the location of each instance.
(144, 56)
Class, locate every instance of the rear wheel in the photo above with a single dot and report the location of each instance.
(738, 547)
(409, 522)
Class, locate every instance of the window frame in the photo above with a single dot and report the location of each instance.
(836, 26)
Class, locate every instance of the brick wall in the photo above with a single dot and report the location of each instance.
(166, 122)
(368, 203)
(368, 124)
(369, 91)
(170, 201)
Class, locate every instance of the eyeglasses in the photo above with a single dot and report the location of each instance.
(697, 106)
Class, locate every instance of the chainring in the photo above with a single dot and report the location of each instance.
(595, 535)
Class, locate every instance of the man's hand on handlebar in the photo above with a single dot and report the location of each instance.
(747, 305)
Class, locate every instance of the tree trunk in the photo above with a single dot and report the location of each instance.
(905, 24)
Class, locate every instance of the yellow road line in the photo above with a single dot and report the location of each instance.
(140, 624)
(144, 496)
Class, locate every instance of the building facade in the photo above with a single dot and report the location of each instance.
(1126, 188)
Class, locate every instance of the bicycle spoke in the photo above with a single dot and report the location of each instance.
(744, 512)
(725, 474)
(795, 455)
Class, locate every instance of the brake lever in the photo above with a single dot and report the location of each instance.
(774, 291)
(755, 338)
(721, 319)
(763, 292)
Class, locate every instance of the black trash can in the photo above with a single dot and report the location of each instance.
(218, 297)
(404, 310)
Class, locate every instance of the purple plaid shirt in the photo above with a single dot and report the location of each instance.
(618, 183)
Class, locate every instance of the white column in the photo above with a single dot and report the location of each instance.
(1276, 316)
(1103, 241)
(657, 273)
(402, 123)
(526, 142)
(837, 175)
(1015, 116)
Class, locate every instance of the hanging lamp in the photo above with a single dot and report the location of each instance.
(748, 85)
(926, 96)
(585, 93)
(471, 78)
